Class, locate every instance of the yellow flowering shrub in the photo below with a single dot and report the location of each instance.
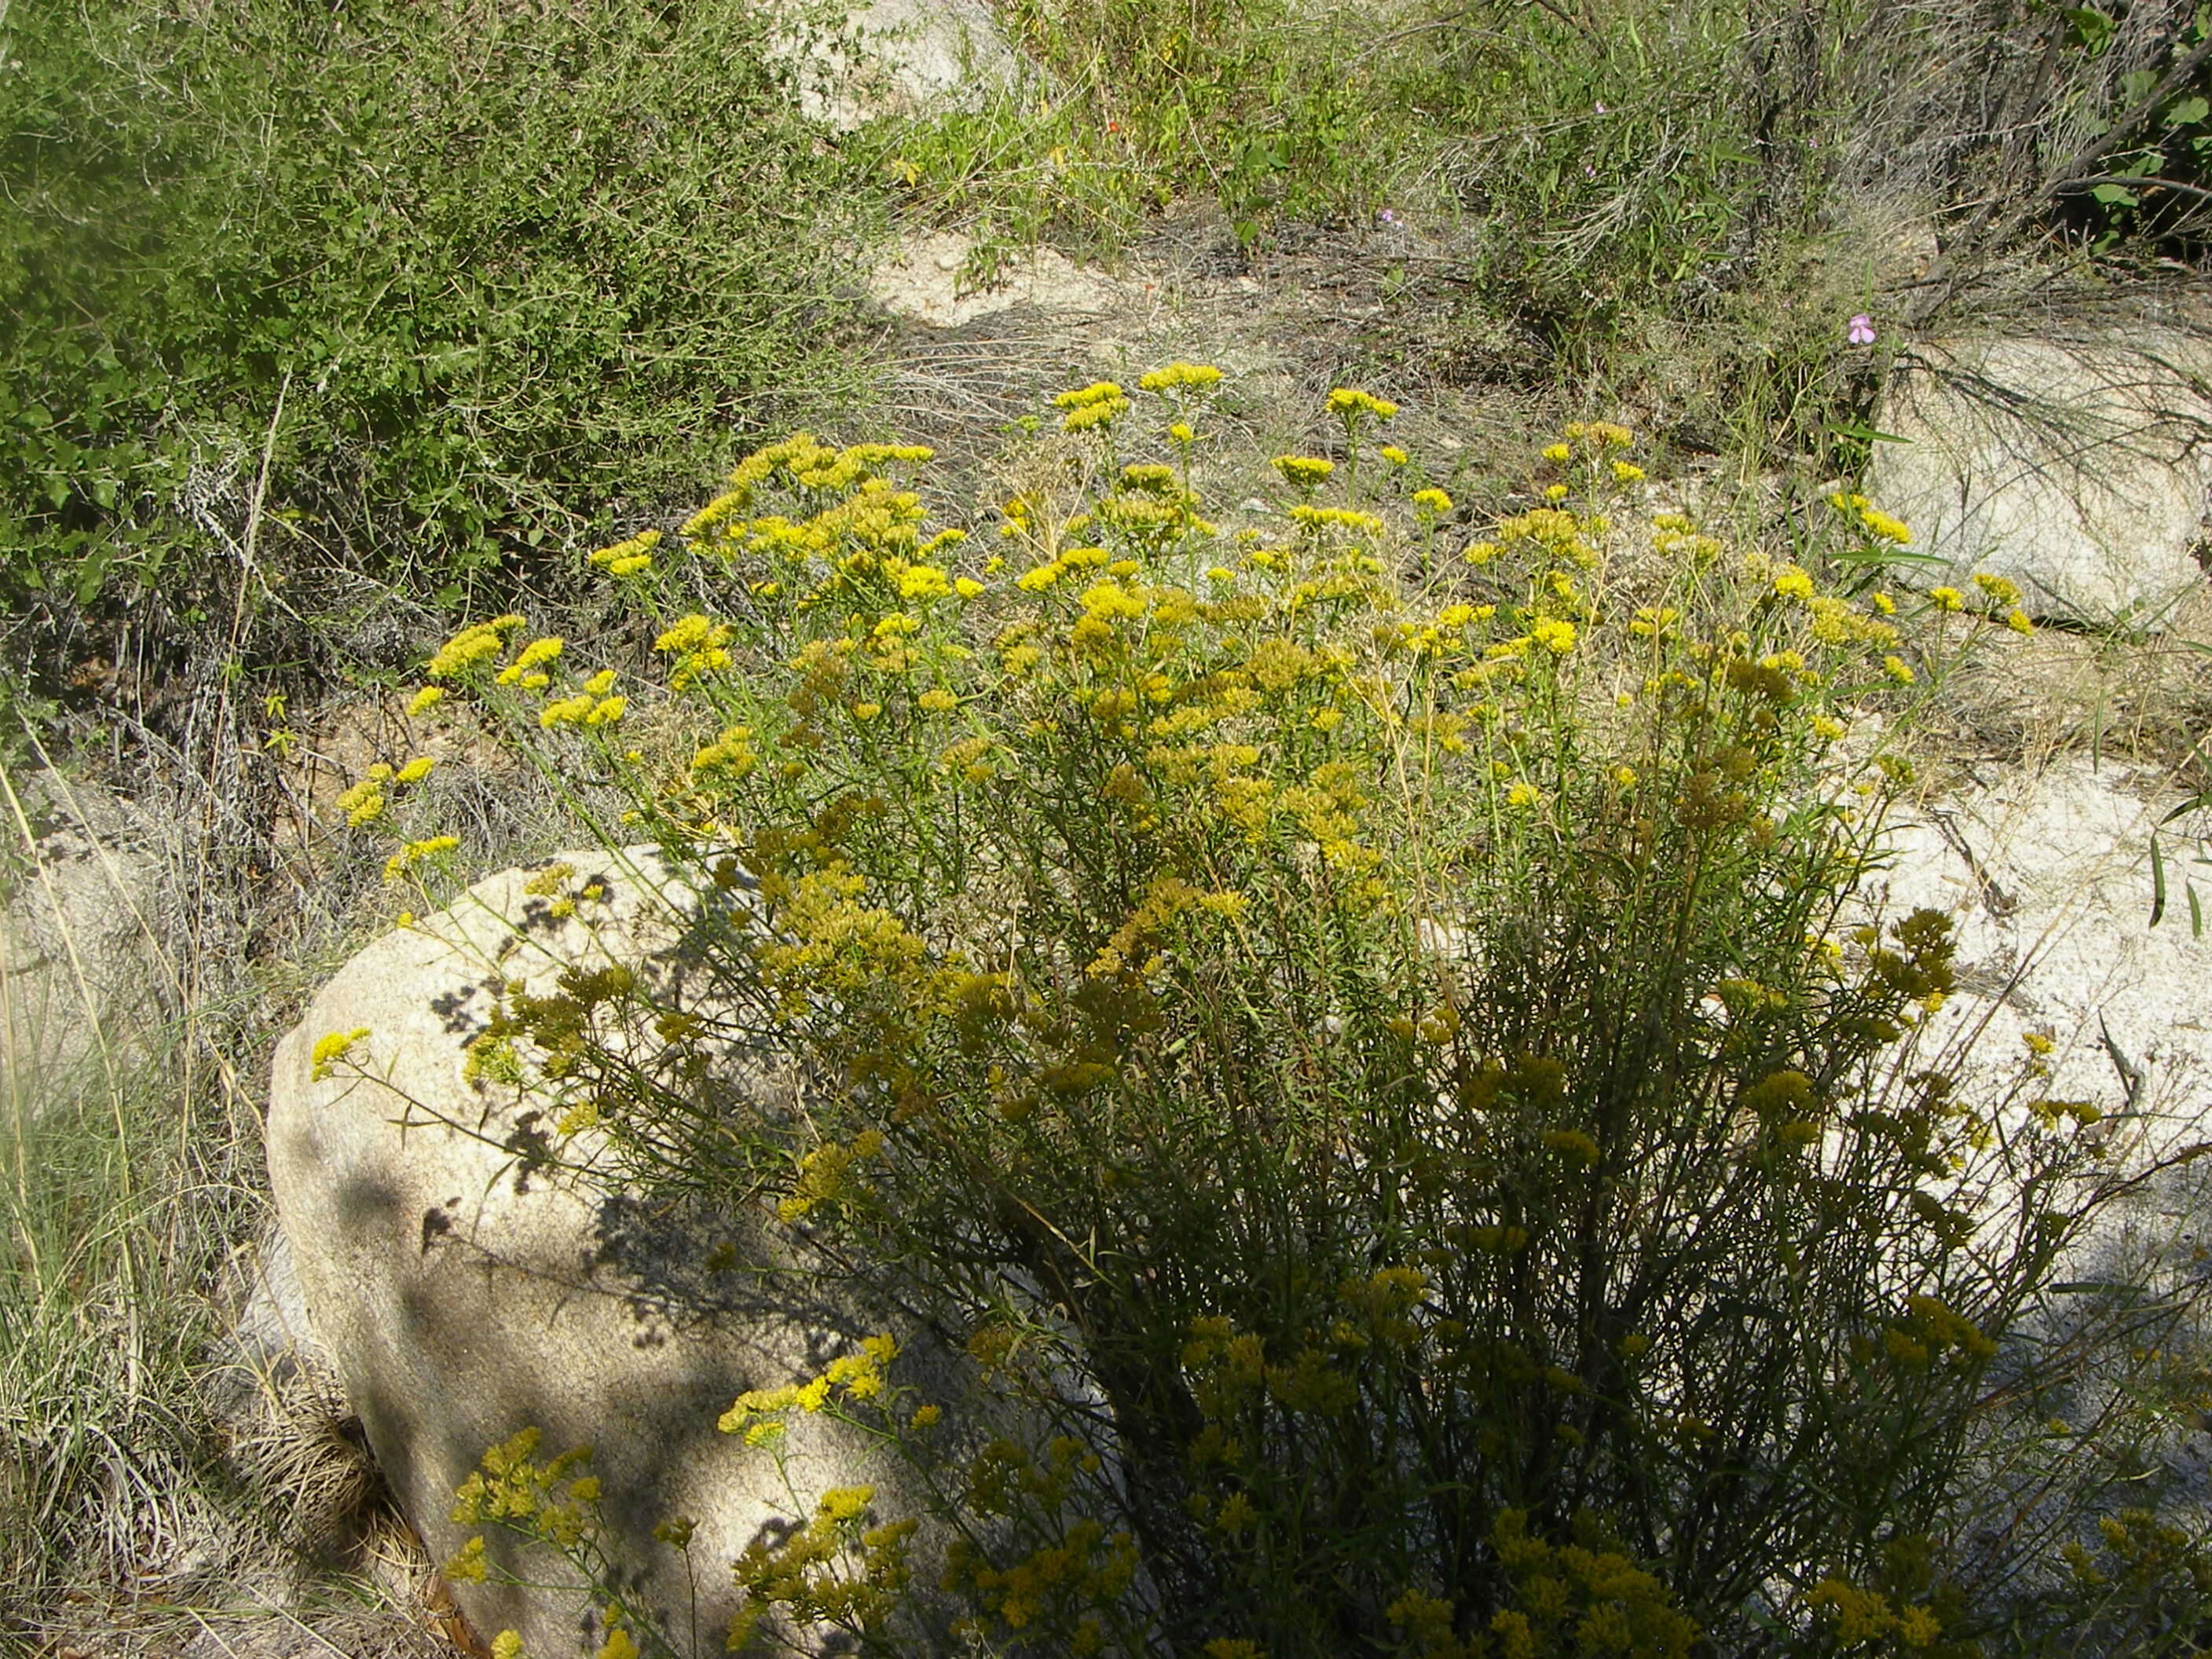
(1370, 1062)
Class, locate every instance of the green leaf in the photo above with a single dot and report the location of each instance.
(2196, 911)
(2114, 195)
(2157, 882)
(91, 575)
(2188, 112)
(2202, 797)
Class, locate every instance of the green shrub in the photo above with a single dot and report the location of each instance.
(406, 288)
(1392, 1073)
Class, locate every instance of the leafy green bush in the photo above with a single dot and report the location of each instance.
(405, 287)
(1392, 1073)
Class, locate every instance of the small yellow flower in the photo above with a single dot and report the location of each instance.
(537, 651)
(846, 1503)
(507, 1644)
(1897, 670)
(1948, 598)
(1557, 492)
(333, 1047)
(923, 581)
(1557, 452)
(1431, 501)
(363, 802)
(2019, 623)
(1790, 582)
(1392, 454)
(1349, 405)
(1197, 376)
(467, 1567)
(1522, 795)
(1303, 472)
(967, 586)
(1627, 473)
(1885, 528)
(427, 699)
(414, 771)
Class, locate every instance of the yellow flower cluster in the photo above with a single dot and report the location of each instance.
(523, 671)
(699, 646)
(1089, 407)
(1858, 1616)
(401, 863)
(1349, 406)
(629, 557)
(334, 1047)
(1063, 1584)
(758, 1414)
(1868, 517)
(1600, 434)
(829, 1175)
(582, 709)
(547, 1500)
(471, 646)
(834, 1570)
(1176, 377)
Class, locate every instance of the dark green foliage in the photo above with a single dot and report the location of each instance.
(494, 264)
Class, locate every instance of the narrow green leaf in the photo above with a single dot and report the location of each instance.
(2196, 911)
(2202, 797)
(2157, 882)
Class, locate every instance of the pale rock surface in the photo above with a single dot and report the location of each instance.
(462, 1292)
(854, 63)
(2046, 875)
(2080, 471)
(79, 976)
(920, 281)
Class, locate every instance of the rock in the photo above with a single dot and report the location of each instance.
(920, 282)
(896, 58)
(2046, 874)
(81, 973)
(2080, 471)
(464, 1291)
